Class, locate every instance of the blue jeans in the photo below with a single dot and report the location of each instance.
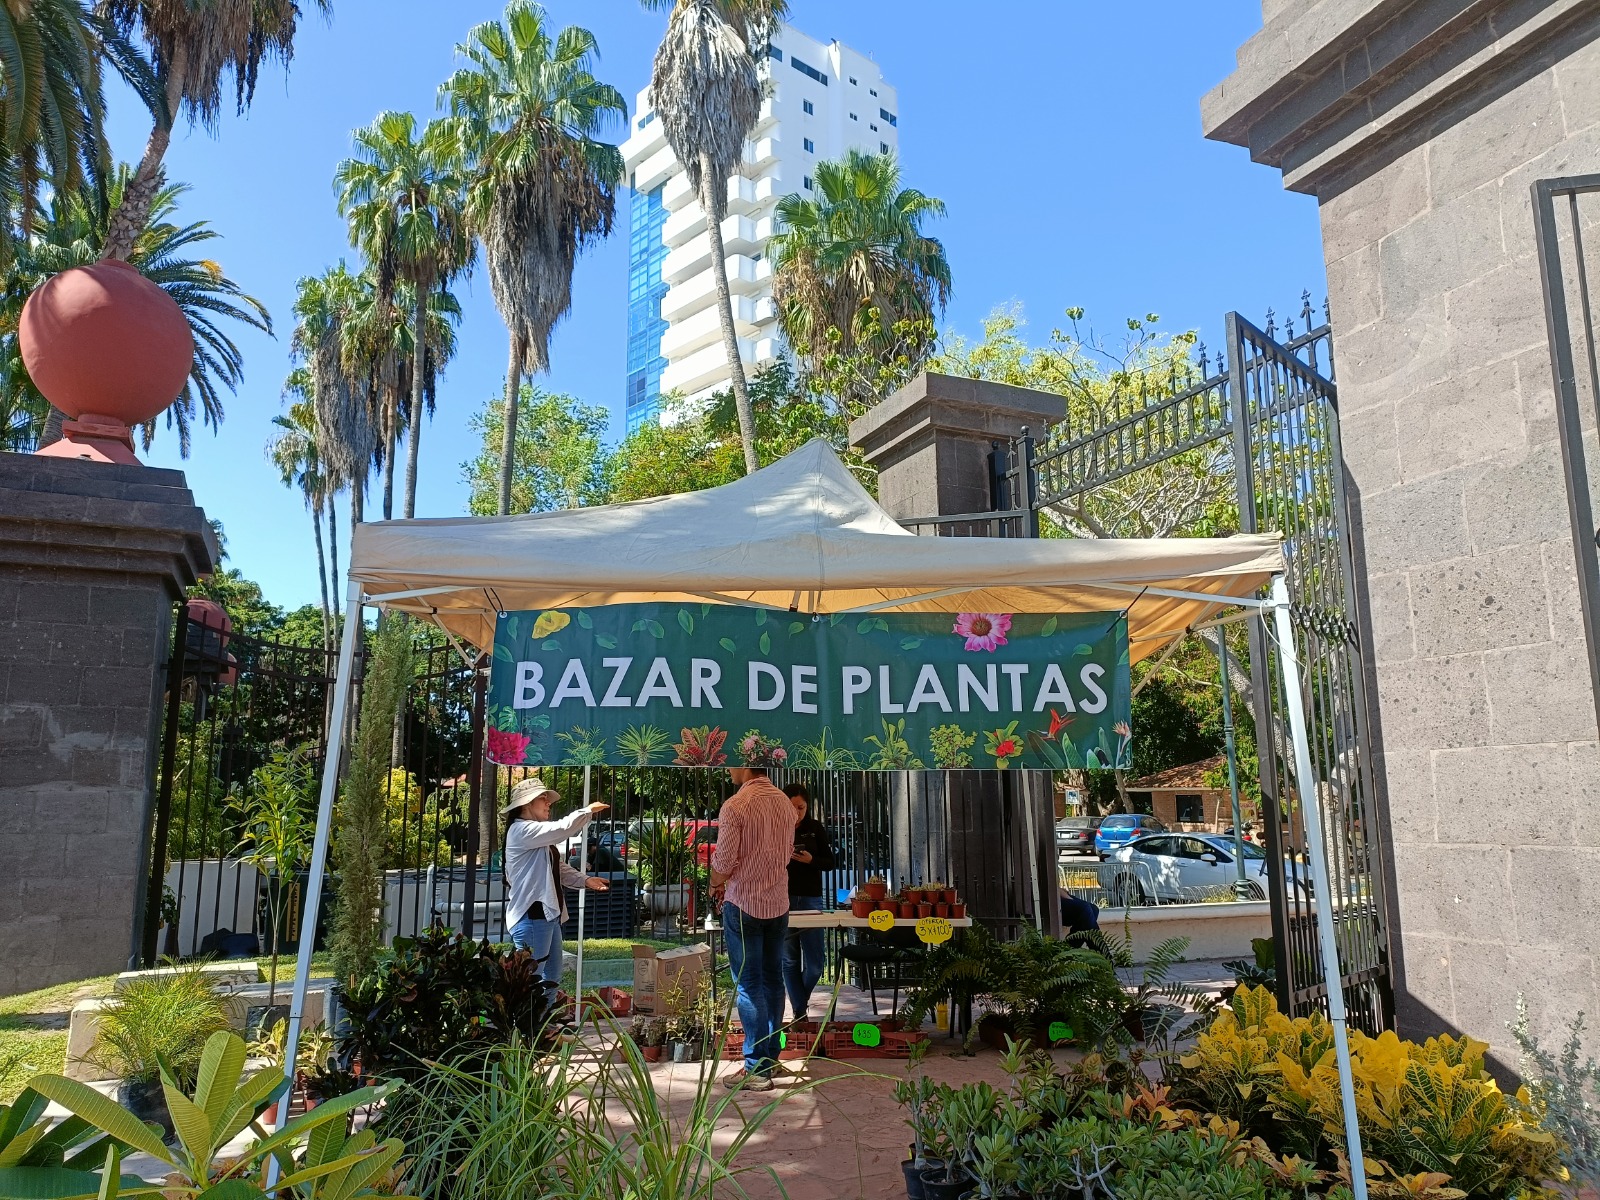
(543, 937)
(755, 956)
(803, 952)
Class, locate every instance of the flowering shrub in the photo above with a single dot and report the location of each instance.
(701, 747)
(507, 747)
(758, 750)
(1004, 744)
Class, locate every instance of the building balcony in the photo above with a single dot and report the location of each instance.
(746, 277)
(684, 337)
(740, 235)
(707, 368)
(654, 168)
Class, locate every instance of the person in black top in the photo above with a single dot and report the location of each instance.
(803, 949)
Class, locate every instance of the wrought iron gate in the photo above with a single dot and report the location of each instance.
(1262, 426)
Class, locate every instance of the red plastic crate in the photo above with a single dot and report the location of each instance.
(803, 1043)
(896, 1043)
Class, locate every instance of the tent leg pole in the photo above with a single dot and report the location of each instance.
(583, 901)
(319, 847)
(1033, 852)
(1323, 900)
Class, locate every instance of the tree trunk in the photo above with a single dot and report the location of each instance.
(134, 210)
(1123, 805)
(713, 199)
(418, 355)
(52, 427)
(508, 440)
(335, 592)
(488, 814)
(391, 434)
(322, 573)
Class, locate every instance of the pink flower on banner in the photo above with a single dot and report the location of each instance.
(507, 748)
(983, 631)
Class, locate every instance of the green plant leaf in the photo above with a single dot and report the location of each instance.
(866, 625)
(766, 643)
(547, 644)
(685, 620)
(501, 653)
(910, 643)
(606, 640)
(514, 628)
(796, 627)
(761, 616)
(880, 624)
(103, 1113)
(1082, 649)
(221, 1064)
(727, 644)
(59, 1183)
(584, 619)
(655, 629)
(191, 1124)
(231, 1189)
(1050, 626)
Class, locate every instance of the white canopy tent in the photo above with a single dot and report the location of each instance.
(803, 535)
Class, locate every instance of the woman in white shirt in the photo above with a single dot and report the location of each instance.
(536, 877)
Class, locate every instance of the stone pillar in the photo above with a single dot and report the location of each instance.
(92, 558)
(930, 441)
(1419, 129)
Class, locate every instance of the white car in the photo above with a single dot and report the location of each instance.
(1178, 867)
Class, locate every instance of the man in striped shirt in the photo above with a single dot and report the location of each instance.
(750, 871)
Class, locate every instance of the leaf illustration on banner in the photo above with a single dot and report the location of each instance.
(585, 619)
(761, 616)
(727, 644)
(705, 610)
(601, 639)
(1083, 649)
(910, 643)
(766, 643)
(866, 625)
(796, 627)
(835, 618)
(556, 646)
(514, 628)
(685, 620)
(646, 625)
(550, 622)
(1049, 628)
(503, 654)
(880, 624)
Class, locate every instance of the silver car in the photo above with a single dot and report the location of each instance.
(1177, 867)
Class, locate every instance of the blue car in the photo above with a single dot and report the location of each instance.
(1117, 830)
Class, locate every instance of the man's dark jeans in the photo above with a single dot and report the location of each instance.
(755, 956)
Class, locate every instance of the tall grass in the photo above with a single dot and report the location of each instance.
(159, 1018)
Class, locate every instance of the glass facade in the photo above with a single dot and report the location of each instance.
(646, 250)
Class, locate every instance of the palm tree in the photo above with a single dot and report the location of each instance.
(529, 112)
(707, 94)
(194, 44)
(855, 260)
(346, 428)
(74, 235)
(403, 198)
(293, 450)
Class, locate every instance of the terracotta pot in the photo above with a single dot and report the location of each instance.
(957, 911)
(924, 910)
(889, 906)
(941, 910)
(908, 911)
(651, 1053)
(860, 906)
(105, 340)
(948, 895)
(877, 891)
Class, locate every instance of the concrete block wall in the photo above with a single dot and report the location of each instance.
(1421, 131)
(92, 558)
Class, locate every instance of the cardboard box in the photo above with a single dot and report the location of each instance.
(658, 971)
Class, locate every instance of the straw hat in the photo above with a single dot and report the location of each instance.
(527, 791)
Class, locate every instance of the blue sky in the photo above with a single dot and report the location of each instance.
(1063, 135)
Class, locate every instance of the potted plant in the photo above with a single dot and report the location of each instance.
(665, 858)
(941, 909)
(923, 1099)
(958, 910)
(312, 1054)
(908, 910)
(655, 1037)
(875, 887)
(276, 814)
(964, 1114)
(924, 909)
(157, 1019)
(861, 905)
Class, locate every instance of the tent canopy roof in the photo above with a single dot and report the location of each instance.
(802, 535)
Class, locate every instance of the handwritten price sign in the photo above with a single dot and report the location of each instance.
(866, 1035)
(933, 930)
(880, 919)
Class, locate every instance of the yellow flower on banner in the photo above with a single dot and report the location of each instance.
(550, 622)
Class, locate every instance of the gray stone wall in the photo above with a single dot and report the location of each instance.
(1420, 129)
(92, 558)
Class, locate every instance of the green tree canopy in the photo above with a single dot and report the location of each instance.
(559, 458)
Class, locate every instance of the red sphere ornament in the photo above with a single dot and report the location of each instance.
(108, 347)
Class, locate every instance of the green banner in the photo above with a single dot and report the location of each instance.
(711, 685)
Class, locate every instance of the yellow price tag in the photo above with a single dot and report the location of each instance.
(880, 919)
(933, 930)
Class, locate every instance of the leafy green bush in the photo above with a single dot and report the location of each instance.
(441, 998)
(1564, 1096)
(155, 1019)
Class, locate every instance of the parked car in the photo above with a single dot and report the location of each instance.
(1185, 866)
(1119, 829)
(608, 850)
(1075, 835)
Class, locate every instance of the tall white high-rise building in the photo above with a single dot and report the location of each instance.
(824, 99)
